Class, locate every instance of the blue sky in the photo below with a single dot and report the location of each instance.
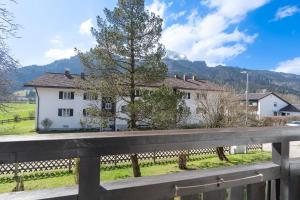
(257, 34)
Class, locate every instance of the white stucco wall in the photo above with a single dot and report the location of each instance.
(266, 105)
(49, 103)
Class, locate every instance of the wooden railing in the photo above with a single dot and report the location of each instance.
(278, 179)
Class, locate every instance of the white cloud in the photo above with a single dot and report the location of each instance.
(211, 37)
(289, 66)
(56, 40)
(176, 16)
(159, 7)
(85, 27)
(286, 11)
(56, 54)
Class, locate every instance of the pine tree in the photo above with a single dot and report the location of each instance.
(127, 55)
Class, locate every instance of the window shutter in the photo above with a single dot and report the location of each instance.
(84, 96)
(71, 112)
(60, 112)
(84, 112)
(72, 95)
(189, 95)
(60, 94)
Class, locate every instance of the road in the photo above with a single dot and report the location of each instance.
(294, 149)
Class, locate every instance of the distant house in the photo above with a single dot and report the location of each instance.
(60, 100)
(268, 104)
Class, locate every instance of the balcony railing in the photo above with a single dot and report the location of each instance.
(278, 179)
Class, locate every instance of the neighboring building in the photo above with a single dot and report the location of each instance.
(268, 104)
(60, 100)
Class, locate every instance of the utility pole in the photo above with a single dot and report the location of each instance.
(246, 93)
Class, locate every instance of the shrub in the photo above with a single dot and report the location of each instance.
(31, 115)
(46, 123)
(17, 118)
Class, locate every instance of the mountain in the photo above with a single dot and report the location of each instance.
(224, 75)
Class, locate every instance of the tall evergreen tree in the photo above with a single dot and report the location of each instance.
(128, 54)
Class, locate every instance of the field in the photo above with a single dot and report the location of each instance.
(21, 109)
(67, 179)
(21, 127)
(18, 128)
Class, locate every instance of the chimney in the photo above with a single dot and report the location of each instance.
(175, 76)
(82, 75)
(194, 78)
(185, 77)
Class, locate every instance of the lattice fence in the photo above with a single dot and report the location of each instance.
(110, 159)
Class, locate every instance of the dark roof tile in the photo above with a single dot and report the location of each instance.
(60, 80)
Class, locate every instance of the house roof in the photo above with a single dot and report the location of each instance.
(257, 96)
(291, 108)
(252, 96)
(61, 80)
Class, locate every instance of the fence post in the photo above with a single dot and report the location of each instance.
(154, 157)
(115, 160)
(89, 178)
(280, 156)
(70, 165)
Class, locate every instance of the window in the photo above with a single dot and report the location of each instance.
(85, 113)
(201, 96)
(275, 104)
(90, 96)
(187, 95)
(65, 112)
(137, 93)
(66, 95)
(123, 108)
(108, 106)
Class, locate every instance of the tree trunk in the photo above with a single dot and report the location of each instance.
(182, 159)
(221, 154)
(135, 165)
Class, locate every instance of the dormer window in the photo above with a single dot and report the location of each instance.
(66, 95)
(275, 104)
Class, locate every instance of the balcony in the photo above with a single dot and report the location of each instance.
(278, 179)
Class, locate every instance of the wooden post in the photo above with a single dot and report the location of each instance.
(70, 165)
(154, 157)
(89, 178)
(294, 179)
(280, 156)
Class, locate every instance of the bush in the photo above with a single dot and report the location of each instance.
(31, 115)
(17, 118)
(278, 120)
(46, 123)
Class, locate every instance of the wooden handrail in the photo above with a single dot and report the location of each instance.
(89, 146)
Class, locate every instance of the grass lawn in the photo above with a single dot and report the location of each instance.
(150, 170)
(21, 109)
(18, 128)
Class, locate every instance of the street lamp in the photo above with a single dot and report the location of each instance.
(246, 92)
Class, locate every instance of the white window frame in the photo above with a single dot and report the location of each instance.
(66, 112)
(67, 95)
(108, 106)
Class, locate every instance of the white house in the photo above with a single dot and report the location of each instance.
(268, 104)
(60, 100)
